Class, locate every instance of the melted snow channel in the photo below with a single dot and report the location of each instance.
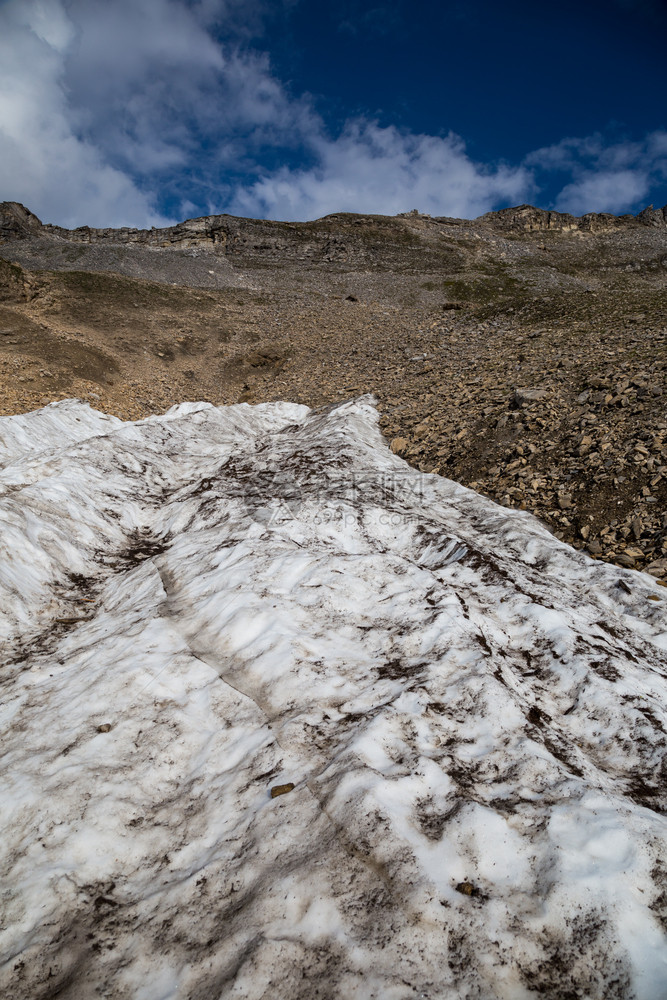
(199, 607)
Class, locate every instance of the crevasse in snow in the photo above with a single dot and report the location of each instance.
(198, 607)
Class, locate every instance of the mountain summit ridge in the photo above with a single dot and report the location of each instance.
(17, 222)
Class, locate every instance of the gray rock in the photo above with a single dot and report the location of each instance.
(523, 396)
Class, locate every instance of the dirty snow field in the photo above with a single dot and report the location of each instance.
(199, 607)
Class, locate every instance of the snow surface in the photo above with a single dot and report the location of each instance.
(250, 596)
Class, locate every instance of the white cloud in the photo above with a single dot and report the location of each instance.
(107, 106)
(137, 77)
(606, 177)
(603, 192)
(384, 171)
(45, 163)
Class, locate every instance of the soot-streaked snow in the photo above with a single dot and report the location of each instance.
(202, 606)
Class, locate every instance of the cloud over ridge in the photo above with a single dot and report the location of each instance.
(384, 171)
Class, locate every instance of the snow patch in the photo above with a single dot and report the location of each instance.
(201, 606)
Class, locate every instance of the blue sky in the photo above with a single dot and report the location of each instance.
(143, 112)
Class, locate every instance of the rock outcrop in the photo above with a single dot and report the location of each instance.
(526, 218)
(12, 283)
(17, 222)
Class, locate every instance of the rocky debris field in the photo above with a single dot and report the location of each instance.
(584, 448)
(522, 354)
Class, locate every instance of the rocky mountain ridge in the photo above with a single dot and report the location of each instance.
(17, 222)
